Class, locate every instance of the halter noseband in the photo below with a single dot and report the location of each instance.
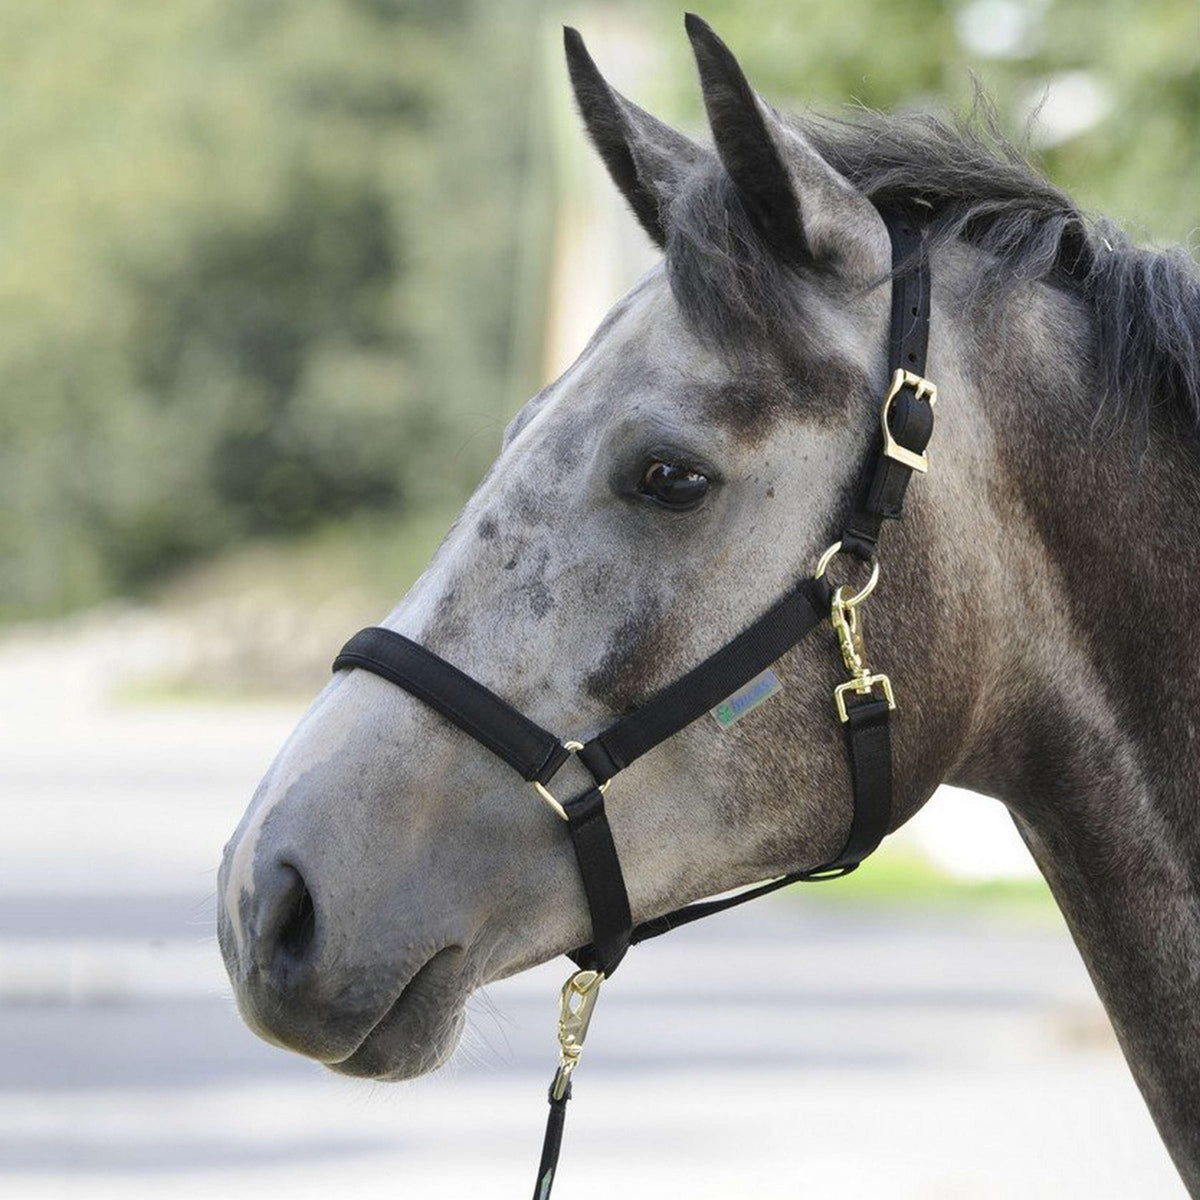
(906, 425)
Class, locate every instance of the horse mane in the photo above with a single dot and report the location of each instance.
(977, 186)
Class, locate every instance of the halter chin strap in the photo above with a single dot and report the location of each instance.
(905, 427)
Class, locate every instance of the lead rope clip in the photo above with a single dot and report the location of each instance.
(846, 621)
(579, 995)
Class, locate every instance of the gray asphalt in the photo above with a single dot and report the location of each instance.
(886, 1053)
(794, 1046)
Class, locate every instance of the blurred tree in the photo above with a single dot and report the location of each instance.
(258, 271)
(1118, 80)
(269, 263)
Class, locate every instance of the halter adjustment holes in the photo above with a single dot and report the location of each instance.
(673, 485)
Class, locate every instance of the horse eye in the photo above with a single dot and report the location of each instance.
(672, 485)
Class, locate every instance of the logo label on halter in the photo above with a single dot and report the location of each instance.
(760, 689)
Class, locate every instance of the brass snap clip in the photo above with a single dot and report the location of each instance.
(579, 996)
(847, 623)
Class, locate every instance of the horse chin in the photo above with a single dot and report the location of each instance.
(420, 1030)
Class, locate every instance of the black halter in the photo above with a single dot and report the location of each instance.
(906, 425)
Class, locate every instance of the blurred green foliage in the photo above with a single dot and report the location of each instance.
(1135, 63)
(904, 879)
(257, 271)
(271, 263)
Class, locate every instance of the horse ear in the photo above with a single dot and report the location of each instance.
(801, 205)
(645, 158)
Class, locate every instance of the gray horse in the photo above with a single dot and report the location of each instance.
(1037, 611)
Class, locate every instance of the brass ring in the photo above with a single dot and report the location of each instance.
(551, 800)
(867, 588)
(575, 748)
(544, 793)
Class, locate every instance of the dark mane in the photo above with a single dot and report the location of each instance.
(977, 186)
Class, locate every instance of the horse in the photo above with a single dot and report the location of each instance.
(1037, 606)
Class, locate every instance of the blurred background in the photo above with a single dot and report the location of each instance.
(275, 276)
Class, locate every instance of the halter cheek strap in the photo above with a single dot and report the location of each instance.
(906, 418)
(905, 427)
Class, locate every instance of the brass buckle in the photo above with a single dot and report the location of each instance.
(925, 390)
(545, 794)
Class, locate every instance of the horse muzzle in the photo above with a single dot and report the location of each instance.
(319, 982)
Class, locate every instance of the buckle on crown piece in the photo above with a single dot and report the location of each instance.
(924, 389)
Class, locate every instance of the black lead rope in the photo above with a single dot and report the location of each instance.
(906, 425)
(556, 1119)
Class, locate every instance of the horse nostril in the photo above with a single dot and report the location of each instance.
(298, 922)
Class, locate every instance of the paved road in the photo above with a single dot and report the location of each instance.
(796, 1046)
(791, 1047)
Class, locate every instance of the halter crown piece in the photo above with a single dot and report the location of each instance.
(863, 703)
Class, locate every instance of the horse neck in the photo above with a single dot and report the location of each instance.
(1089, 733)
